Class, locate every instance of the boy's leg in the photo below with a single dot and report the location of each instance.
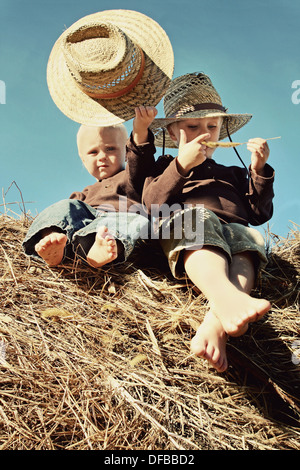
(242, 272)
(225, 277)
(111, 237)
(105, 248)
(51, 247)
(210, 339)
(208, 269)
(49, 236)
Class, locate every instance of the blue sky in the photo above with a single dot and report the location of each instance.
(250, 49)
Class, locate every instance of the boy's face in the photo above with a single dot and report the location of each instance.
(102, 150)
(197, 126)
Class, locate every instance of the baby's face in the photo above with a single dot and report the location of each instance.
(102, 150)
(195, 127)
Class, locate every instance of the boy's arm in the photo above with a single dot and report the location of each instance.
(140, 149)
(259, 154)
(261, 192)
(144, 116)
(260, 196)
(190, 154)
(80, 195)
(162, 189)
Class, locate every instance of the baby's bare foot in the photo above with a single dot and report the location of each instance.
(51, 248)
(236, 311)
(104, 249)
(209, 342)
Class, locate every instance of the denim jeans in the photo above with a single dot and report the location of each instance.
(230, 238)
(80, 222)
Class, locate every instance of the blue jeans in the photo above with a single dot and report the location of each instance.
(203, 228)
(80, 222)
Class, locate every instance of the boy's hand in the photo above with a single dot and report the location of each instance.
(190, 154)
(144, 115)
(259, 154)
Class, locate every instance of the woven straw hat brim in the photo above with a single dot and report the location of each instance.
(235, 122)
(156, 78)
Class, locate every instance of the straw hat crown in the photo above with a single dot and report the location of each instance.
(106, 64)
(102, 59)
(187, 91)
(194, 96)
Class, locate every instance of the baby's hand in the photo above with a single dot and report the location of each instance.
(144, 115)
(259, 154)
(191, 154)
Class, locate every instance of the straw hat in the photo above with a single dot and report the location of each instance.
(106, 64)
(194, 96)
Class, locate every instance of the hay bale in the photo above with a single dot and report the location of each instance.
(99, 359)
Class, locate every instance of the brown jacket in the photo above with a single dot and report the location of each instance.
(232, 194)
(121, 191)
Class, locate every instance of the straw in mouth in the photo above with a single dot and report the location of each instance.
(229, 144)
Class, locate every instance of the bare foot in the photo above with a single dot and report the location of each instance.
(209, 342)
(104, 249)
(51, 248)
(236, 309)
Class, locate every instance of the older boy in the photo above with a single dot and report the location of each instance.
(225, 200)
(101, 223)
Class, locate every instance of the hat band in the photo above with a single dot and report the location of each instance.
(197, 107)
(124, 91)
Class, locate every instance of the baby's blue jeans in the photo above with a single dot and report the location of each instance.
(80, 222)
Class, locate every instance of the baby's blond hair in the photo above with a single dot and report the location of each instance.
(120, 127)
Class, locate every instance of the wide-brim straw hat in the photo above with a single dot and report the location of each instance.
(194, 96)
(106, 64)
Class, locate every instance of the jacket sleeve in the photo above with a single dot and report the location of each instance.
(260, 196)
(163, 188)
(140, 162)
(80, 195)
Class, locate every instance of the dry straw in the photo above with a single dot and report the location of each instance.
(213, 145)
(99, 359)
